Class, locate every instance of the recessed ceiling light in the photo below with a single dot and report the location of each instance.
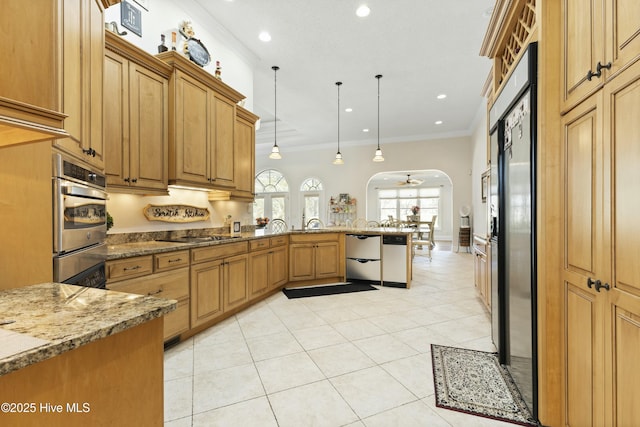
(439, 122)
(265, 36)
(363, 11)
(365, 130)
(348, 110)
(441, 96)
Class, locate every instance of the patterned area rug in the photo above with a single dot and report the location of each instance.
(474, 382)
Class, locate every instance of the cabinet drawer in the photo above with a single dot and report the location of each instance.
(129, 267)
(314, 237)
(172, 284)
(177, 321)
(218, 251)
(259, 244)
(279, 240)
(171, 260)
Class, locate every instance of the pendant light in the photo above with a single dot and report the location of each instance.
(338, 160)
(378, 157)
(275, 151)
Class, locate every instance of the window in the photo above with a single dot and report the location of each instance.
(272, 194)
(398, 202)
(312, 191)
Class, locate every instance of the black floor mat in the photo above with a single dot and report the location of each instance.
(314, 291)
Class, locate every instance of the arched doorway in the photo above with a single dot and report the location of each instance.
(393, 193)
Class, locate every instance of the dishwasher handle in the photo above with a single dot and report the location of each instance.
(364, 260)
(361, 236)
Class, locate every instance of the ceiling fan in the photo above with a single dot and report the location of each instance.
(410, 181)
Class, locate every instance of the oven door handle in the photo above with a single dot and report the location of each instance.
(82, 191)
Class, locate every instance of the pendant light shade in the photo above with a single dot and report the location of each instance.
(338, 160)
(378, 156)
(275, 151)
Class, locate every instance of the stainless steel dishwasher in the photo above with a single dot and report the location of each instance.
(394, 259)
(363, 257)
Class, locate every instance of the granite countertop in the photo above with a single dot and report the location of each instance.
(150, 247)
(41, 321)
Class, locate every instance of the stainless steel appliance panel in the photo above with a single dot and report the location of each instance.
(363, 257)
(362, 246)
(518, 242)
(71, 264)
(394, 260)
(79, 215)
(497, 290)
(364, 269)
(79, 205)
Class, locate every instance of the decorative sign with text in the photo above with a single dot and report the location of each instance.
(175, 213)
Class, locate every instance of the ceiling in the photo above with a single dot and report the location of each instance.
(422, 48)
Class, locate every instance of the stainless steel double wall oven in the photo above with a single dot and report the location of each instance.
(79, 223)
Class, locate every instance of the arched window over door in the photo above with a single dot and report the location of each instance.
(272, 195)
(312, 193)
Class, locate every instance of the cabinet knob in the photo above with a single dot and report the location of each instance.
(591, 282)
(127, 180)
(134, 180)
(598, 71)
(599, 286)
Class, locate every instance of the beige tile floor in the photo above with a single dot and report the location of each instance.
(360, 359)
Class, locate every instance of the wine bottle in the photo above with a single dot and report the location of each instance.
(162, 47)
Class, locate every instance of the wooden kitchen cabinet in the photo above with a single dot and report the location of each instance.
(51, 82)
(170, 279)
(268, 264)
(206, 292)
(245, 143)
(82, 65)
(235, 281)
(600, 275)
(201, 126)
(605, 32)
(219, 280)
(316, 257)
(481, 276)
(136, 105)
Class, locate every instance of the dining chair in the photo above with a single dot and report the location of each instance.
(278, 226)
(315, 224)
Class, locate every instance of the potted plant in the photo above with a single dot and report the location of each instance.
(415, 214)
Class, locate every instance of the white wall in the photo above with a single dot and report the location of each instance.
(128, 217)
(165, 16)
(237, 62)
(479, 165)
(453, 156)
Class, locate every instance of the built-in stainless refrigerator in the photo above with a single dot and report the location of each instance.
(513, 126)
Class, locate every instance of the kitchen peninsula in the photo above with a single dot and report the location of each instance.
(214, 276)
(74, 355)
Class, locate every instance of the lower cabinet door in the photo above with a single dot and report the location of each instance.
(206, 292)
(236, 275)
(278, 267)
(258, 272)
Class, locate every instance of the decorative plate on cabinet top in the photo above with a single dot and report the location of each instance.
(197, 52)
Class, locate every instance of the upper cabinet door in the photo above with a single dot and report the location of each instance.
(601, 39)
(190, 145)
(149, 128)
(622, 46)
(583, 48)
(30, 86)
(222, 162)
(82, 64)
